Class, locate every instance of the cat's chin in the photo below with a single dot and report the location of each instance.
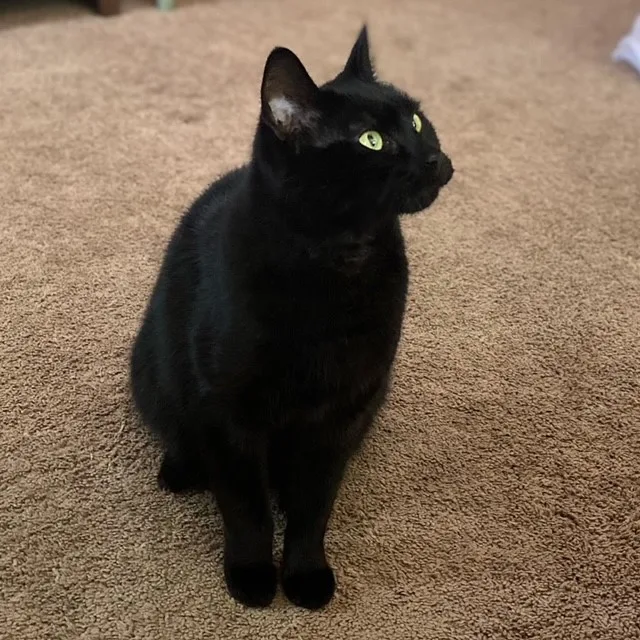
(419, 202)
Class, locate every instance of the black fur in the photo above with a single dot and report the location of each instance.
(268, 341)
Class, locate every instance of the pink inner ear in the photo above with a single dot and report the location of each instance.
(289, 116)
(288, 93)
(283, 110)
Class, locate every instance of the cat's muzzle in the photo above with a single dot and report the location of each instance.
(441, 166)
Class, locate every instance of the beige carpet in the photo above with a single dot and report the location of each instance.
(499, 496)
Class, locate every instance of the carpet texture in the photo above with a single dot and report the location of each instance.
(499, 496)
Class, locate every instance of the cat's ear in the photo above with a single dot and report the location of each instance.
(289, 95)
(359, 64)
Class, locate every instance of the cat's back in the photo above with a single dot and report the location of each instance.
(194, 247)
(208, 208)
(191, 264)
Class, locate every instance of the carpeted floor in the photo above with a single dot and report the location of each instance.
(499, 496)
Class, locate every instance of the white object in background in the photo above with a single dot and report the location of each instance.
(628, 49)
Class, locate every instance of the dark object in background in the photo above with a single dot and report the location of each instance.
(266, 347)
(108, 7)
(112, 7)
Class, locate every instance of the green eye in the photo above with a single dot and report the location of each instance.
(417, 123)
(372, 140)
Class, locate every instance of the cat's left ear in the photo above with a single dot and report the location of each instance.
(359, 64)
(289, 95)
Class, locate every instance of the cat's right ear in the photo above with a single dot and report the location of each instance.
(359, 64)
(289, 95)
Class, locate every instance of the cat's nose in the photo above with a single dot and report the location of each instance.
(441, 165)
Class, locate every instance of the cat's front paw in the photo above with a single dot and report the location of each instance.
(311, 588)
(253, 585)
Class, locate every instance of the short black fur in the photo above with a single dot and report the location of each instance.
(267, 344)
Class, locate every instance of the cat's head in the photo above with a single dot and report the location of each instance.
(355, 148)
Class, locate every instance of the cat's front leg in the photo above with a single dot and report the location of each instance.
(239, 483)
(309, 487)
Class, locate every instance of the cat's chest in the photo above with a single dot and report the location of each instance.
(352, 294)
(346, 325)
(338, 349)
(315, 381)
(322, 355)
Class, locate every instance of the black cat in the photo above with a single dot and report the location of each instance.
(268, 341)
